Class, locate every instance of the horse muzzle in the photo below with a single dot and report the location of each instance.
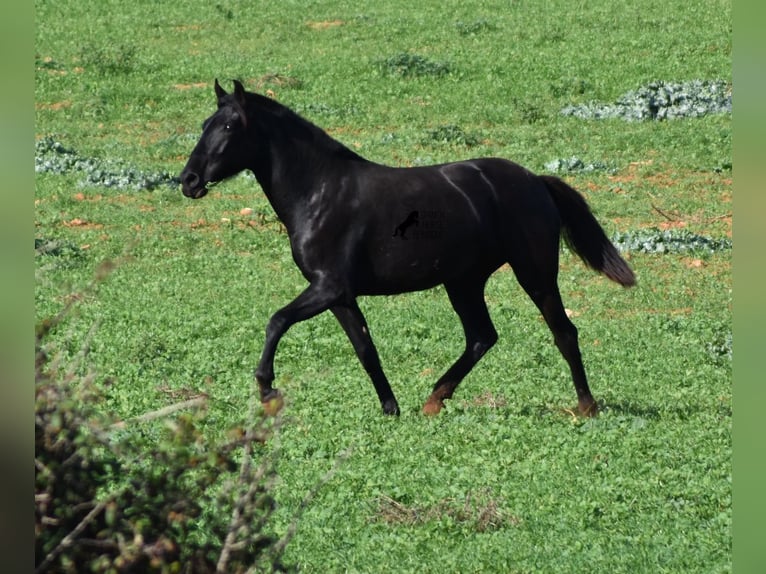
(192, 185)
(194, 193)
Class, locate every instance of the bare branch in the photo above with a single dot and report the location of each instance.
(69, 539)
(196, 402)
(664, 214)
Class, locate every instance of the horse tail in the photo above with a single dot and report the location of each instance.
(584, 235)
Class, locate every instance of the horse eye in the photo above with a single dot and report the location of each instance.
(227, 127)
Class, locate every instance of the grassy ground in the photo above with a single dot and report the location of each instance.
(505, 479)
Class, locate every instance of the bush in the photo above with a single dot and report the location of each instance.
(106, 501)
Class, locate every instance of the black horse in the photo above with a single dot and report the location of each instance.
(339, 210)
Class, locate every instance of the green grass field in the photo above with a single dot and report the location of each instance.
(506, 478)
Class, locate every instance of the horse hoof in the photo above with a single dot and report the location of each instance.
(391, 408)
(273, 404)
(588, 408)
(432, 407)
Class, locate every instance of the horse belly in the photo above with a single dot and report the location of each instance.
(423, 260)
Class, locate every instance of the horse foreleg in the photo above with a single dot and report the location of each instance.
(314, 300)
(352, 320)
(480, 336)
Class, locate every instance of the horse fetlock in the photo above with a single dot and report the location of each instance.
(264, 377)
(272, 402)
(588, 407)
(433, 406)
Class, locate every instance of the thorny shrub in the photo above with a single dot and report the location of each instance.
(109, 500)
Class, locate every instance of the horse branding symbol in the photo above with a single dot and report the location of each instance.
(401, 230)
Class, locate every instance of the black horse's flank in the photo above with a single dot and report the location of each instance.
(340, 209)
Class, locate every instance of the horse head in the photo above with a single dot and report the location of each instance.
(225, 147)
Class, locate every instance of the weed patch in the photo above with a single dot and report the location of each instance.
(268, 81)
(451, 134)
(721, 348)
(575, 165)
(52, 157)
(406, 65)
(661, 101)
(326, 110)
(109, 59)
(56, 248)
(528, 111)
(474, 27)
(669, 241)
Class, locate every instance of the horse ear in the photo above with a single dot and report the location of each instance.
(239, 92)
(219, 91)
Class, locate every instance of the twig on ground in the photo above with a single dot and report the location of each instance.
(196, 402)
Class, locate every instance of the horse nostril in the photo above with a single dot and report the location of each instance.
(190, 180)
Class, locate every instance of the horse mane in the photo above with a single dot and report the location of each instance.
(286, 121)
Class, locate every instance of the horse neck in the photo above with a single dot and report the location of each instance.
(299, 165)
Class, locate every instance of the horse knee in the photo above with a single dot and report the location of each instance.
(277, 324)
(480, 347)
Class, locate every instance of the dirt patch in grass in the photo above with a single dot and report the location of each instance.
(488, 400)
(184, 87)
(54, 106)
(82, 224)
(481, 512)
(324, 24)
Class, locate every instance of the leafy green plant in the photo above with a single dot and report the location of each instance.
(529, 112)
(722, 347)
(576, 165)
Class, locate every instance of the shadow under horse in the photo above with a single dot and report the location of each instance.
(339, 209)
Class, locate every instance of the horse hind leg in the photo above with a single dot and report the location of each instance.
(546, 296)
(480, 336)
(565, 337)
